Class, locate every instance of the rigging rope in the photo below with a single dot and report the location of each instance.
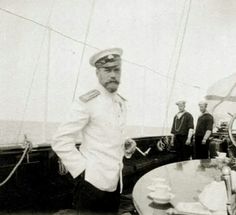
(47, 87)
(33, 76)
(176, 42)
(28, 146)
(98, 49)
(45, 26)
(29, 91)
(84, 46)
(180, 51)
(170, 65)
(178, 56)
(143, 102)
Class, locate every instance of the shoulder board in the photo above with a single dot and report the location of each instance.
(89, 95)
(121, 97)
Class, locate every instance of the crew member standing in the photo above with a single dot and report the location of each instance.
(203, 132)
(99, 116)
(182, 132)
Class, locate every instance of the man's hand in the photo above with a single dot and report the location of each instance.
(203, 141)
(190, 134)
(130, 147)
(188, 142)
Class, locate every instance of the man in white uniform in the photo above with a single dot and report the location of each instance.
(99, 116)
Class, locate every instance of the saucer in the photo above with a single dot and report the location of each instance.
(159, 199)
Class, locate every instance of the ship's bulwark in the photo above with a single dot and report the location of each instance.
(10, 135)
(37, 185)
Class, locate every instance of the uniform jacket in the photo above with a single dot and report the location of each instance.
(99, 117)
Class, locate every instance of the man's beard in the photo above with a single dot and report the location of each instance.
(112, 86)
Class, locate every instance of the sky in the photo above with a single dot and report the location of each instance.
(42, 53)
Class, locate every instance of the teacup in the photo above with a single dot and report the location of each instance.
(162, 188)
(158, 181)
(221, 154)
(162, 195)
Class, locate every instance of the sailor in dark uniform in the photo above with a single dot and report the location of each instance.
(182, 132)
(100, 117)
(203, 132)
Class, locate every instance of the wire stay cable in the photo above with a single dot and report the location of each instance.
(98, 49)
(180, 39)
(171, 63)
(33, 77)
(84, 47)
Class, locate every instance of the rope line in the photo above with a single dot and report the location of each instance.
(47, 87)
(86, 44)
(170, 66)
(179, 53)
(52, 29)
(33, 77)
(27, 147)
(98, 49)
(84, 47)
(176, 42)
(160, 74)
(30, 90)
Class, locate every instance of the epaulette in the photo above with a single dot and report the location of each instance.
(89, 95)
(121, 97)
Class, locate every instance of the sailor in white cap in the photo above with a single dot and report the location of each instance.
(99, 116)
(181, 103)
(203, 132)
(182, 132)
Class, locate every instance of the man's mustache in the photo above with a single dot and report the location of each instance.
(113, 81)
